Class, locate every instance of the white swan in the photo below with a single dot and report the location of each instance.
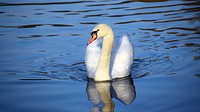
(101, 61)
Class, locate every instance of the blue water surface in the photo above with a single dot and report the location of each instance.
(42, 48)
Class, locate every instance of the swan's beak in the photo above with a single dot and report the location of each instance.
(92, 38)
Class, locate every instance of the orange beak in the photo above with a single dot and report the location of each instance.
(92, 38)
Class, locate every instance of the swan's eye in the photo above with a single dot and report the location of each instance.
(95, 32)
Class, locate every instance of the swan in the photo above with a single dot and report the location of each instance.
(105, 61)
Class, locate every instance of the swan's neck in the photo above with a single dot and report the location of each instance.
(104, 93)
(102, 72)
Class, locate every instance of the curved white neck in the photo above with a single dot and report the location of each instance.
(103, 88)
(103, 67)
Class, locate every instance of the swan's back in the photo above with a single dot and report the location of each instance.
(122, 58)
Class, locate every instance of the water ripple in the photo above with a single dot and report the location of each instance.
(156, 27)
(45, 3)
(172, 28)
(36, 25)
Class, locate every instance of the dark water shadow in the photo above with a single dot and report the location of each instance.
(36, 25)
(42, 3)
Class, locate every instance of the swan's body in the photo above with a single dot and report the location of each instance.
(102, 62)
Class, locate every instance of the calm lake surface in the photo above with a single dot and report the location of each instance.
(42, 48)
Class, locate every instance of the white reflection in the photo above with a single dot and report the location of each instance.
(103, 92)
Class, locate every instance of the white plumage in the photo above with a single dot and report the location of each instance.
(118, 57)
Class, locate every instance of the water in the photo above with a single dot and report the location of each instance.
(42, 47)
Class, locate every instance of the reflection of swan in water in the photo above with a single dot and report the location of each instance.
(121, 89)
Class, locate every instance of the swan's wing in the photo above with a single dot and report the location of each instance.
(122, 58)
(92, 57)
(123, 90)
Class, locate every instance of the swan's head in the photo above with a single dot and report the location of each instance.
(100, 30)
